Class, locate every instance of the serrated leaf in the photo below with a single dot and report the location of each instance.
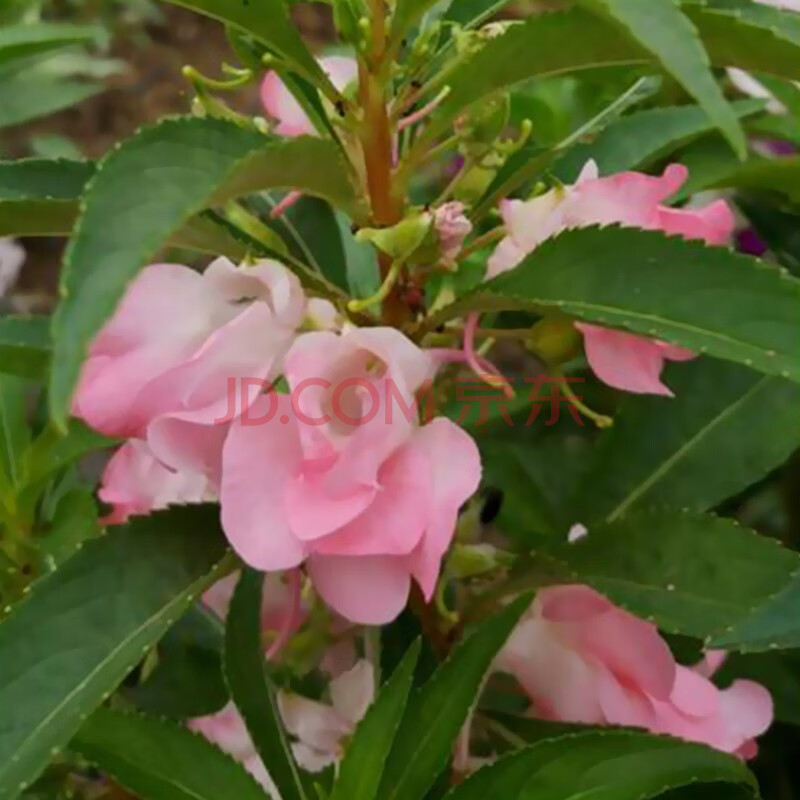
(269, 22)
(667, 452)
(251, 690)
(160, 760)
(471, 13)
(359, 774)
(190, 164)
(40, 197)
(25, 346)
(689, 573)
(82, 628)
(436, 711)
(661, 28)
(708, 299)
(777, 175)
(773, 625)
(603, 765)
(187, 681)
(639, 140)
(559, 43)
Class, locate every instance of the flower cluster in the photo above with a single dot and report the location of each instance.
(236, 386)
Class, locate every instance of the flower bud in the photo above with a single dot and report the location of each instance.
(401, 240)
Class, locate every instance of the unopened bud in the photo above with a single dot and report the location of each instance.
(555, 340)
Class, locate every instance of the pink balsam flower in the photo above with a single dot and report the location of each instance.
(281, 104)
(340, 476)
(321, 729)
(163, 366)
(622, 360)
(582, 659)
(136, 483)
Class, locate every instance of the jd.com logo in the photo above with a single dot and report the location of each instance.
(356, 402)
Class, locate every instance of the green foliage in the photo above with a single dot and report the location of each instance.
(666, 566)
(438, 709)
(254, 695)
(606, 765)
(665, 452)
(655, 285)
(93, 618)
(667, 33)
(24, 346)
(160, 760)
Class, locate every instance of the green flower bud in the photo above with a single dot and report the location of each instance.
(401, 241)
(555, 340)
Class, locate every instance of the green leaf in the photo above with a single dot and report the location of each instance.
(778, 175)
(190, 164)
(269, 22)
(689, 573)
(662, 28)
(14, 431)
(31, 91)
(773, 625)
(667, 451)
(407, 13)
(565, 42)
(24, 346)
(659, 286)
(360, 772)
(439, 708)
(20, 41)
(85, 626)
(603, 765)
(187, 681)
(472, 13)
(251, 690)
(161, 760)
(75, 521)
(639, 140)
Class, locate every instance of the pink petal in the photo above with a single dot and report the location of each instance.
(342, 70)
(395, 520)
(353, 691)
(747, 707)
(693, 694)
(713, 224)
(282, 106)
(623, 360)
(257, 464)
(315, 724)
(455, 474)
(367, 590)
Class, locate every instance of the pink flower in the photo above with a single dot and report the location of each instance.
(452, 226)
(582, 659)
(341, 477)
(160, 369)
(322, 729)
(282, 106)
(135, 482)
(624, 361)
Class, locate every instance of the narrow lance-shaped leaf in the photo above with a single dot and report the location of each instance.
(604, 765)
(437, 711)
(359, 774)
(21, 41)
(666, 452)
(251, 690)
(82, 628)
(662, 28)
(708, 299)
(190, 164)
(638, 140)
(160, 760)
